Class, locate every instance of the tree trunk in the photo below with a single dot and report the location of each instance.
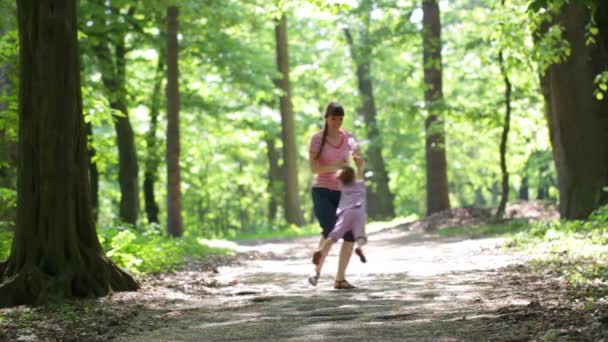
(524, 189)
(580, 121)
(113, 78)
(153, 160)
(437, 192)
(274, 178)
(504, 195)
(174, 198)
(55, 251)
(543, 187)
(93, 174)
(480, 201)
(380, 199)
(293, 213)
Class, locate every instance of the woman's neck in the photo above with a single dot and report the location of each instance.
(333, 133)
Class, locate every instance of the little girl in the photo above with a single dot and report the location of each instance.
(351, 212)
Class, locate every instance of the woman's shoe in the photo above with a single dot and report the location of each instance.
(343, 285)
(361, 255)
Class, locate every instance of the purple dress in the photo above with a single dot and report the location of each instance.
(351, 211)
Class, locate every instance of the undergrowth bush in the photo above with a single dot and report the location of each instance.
(577, 249)
(150, 250)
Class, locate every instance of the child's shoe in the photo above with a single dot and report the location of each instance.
(359, 252)
(314, 279)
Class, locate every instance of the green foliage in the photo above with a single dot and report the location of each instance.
(601, 83)
(575, 249)
(151, 251)
(8, 207)
(6, 240)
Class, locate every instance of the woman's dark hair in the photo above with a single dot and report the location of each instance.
(346, 175)
(332, 109)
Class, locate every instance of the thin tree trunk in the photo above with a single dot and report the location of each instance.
(113, 78)
(437, 192)
(380, 199)
(174, 198)
(293, 213)
(524, 189)
(93, 174)
(55, 251)
(580, 122)
(480, 201)
(500, 211)
(274, 178)
(543, 189)
(153, 160)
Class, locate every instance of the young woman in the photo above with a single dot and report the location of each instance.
(329, 150)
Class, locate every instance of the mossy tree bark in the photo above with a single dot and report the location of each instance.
(579, 121)
(55, 252)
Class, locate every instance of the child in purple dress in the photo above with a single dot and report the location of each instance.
(351, 211)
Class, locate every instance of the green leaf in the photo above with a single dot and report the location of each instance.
(536, 5)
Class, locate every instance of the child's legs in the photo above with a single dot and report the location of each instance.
(343, 225)
(358, 226)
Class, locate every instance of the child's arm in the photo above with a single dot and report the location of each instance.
(360, 163)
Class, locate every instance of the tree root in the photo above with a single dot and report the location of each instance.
(31, 286)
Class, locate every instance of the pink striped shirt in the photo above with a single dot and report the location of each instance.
(330, 156)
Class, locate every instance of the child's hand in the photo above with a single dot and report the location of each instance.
(359, 161)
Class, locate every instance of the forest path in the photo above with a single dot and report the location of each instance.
(414, 287)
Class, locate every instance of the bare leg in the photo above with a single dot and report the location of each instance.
(324, 246)
(346, 250)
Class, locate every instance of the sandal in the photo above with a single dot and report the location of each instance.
(313, 279)
(316, 257)
(361, 255)
(343, 285)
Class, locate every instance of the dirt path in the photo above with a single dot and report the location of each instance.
(415, 287)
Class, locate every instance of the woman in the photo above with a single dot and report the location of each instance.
(329, 150)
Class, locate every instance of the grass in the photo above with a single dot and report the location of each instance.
(507, 229)
(275, 232)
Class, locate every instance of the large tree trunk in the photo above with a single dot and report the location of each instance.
(175, 226)
(55, 251)
(437, 192)
(580, 121)
(293, 213)
(152, 158)
(504, 195)
(380, 199)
